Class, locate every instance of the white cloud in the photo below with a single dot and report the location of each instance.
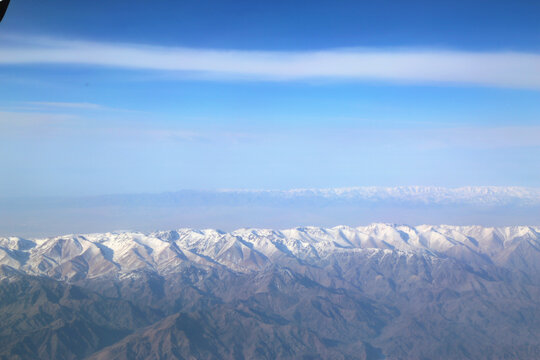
(504, 69)
(67, 125)
(9, 118)
(34, 124)
(65, 105)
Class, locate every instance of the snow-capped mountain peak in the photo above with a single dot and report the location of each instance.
(110, 254)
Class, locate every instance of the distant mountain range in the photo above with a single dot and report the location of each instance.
(381, 291)
(469, 195)
(232, 209)
(477, 195)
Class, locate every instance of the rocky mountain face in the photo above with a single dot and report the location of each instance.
(376, 292)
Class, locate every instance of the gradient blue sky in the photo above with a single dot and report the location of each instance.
(138, 96)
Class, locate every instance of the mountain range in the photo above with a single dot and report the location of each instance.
(381, 291)
(232, 209)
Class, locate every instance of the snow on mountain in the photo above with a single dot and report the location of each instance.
(246, 250)
(232, 209)
(472, 195)
(407, 292)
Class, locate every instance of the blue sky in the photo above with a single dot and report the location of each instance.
(122, 97)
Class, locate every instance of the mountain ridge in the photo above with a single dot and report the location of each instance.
(486, 195)
(252, 248)
(382, 291)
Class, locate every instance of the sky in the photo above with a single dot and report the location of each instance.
(148, 97)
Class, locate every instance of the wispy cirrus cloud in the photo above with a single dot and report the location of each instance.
(19, 118)
(66, 105)
(70, 124)
(78, 107)
(499, 69)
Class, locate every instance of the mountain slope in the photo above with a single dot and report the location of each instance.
(378, 291)
(75, 257)
(224, 333)
(46, 319)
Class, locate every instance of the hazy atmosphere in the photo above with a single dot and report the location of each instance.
(272, 96)
(101, 120)
(232, 209)
(270, 180)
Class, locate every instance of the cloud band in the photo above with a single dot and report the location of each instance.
(500, 69)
